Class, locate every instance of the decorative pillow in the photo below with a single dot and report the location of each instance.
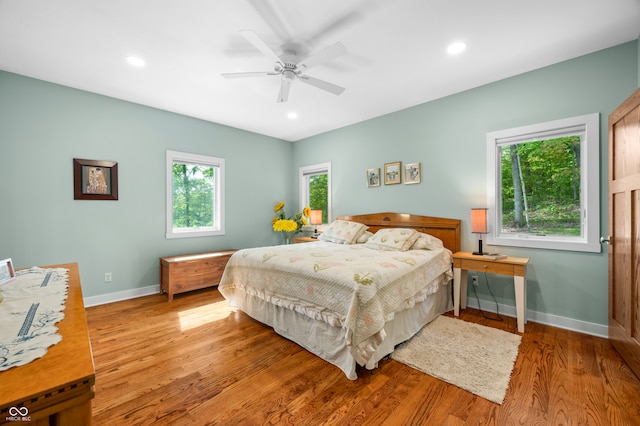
(364, 237)
(427, 242)
(398, 239)
(343, 232)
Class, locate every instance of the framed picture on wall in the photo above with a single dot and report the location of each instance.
(392, 174)
(373, 177)
(7, 273)
(412, 173)
(95, 180)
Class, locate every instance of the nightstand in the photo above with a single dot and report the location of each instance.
(299, 240)
(513, 266)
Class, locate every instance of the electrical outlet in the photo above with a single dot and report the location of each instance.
(474, 280)
(107, 277)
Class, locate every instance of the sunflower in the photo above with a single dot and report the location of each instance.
(285, 225)
(280, 223)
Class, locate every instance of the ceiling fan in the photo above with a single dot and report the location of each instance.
(290, 67)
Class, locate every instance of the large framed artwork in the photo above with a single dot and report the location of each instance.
(392, 173)
(95, 180)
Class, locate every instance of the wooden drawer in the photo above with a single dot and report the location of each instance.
(489, 267)
(192, 271)
(516, 266)
(300, 240)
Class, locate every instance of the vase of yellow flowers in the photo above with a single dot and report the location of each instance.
(288, 227)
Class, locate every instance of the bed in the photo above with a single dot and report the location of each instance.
(354, 295)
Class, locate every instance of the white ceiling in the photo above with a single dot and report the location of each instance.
(396, 51)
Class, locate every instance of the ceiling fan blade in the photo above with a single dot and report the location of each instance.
(247, 74)
(349, 19)
(259, 44)
(325, 55)
(321, 84)
(285, 86)
(272, 18)
(354, 14)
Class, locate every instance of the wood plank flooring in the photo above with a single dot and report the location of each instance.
(195, 361)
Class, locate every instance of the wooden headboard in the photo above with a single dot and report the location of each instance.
(448, 230)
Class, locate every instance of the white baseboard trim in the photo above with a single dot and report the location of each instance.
(584, 327)
(121, 295)
(510, 311)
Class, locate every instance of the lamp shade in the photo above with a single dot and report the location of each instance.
(316, 217)
(479, 221)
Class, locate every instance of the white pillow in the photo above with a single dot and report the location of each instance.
(398, 239)
(427, 242)
(364, 237)
(343, 232)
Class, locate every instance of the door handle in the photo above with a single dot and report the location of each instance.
(605, 240)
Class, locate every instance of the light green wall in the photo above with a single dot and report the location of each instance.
(448, 136)
(44, 126)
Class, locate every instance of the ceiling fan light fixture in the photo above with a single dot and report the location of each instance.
(456, 48)
(292, 115)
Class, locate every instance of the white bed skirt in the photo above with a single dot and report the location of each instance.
(329, 342)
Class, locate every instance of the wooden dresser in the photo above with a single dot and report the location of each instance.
(188, 272)
(56, 389)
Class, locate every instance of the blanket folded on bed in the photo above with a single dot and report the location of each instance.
(348, 286)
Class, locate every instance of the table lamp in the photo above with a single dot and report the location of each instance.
(479, 226)
(315, 219)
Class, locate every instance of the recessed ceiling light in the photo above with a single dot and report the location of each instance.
(135, 61)
(292, 115)
(456, 48)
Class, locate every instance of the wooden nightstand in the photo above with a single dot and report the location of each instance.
(299, 240)
(514, 266)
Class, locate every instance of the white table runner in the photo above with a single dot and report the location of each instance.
(32, 305)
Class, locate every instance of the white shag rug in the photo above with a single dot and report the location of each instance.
(470, 356)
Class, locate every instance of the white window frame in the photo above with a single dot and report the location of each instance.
(589, 128)
(218, 227)
(305, 173)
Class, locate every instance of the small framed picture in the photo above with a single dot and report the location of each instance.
(392, 175)
(412, 173)
(373, 177)
(95, 180)
(7, 273)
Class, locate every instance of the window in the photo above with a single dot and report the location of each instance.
(195, 195)
(315, 189)
(543, 185)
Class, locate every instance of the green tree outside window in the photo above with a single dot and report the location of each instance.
(541, 187)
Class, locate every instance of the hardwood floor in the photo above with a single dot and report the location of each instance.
(195, 361)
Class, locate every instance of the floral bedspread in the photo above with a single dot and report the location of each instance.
(348, 286)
